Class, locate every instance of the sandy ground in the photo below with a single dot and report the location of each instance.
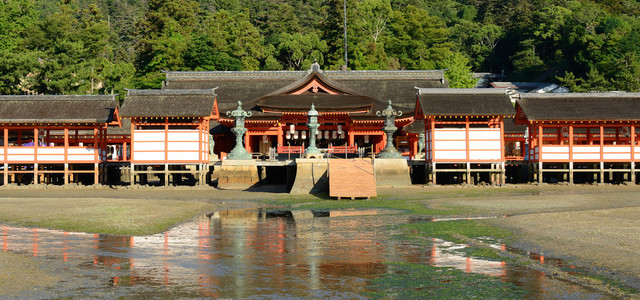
(597, 227)
(607, 239)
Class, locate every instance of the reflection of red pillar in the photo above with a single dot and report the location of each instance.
(164, 260)
(433, 251)
(96, 241)
(65, 254)
(5, 242)
(205, 278)
(468, 264)
(35, 242)
(503, 265)
(131, 260)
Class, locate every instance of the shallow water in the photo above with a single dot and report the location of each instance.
(258, 253)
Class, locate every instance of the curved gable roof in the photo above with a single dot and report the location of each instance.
(247, 86)
(315, 88)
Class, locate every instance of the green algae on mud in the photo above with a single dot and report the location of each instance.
(416, 281)
(97, 215)
(463, 232)
(408, 206)
(459, 230)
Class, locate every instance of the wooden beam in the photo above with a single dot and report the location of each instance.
(466, 138)
(5, 156)
(66, 154)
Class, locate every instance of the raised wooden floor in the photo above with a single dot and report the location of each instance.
(351, 178)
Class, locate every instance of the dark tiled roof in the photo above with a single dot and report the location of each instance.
(398, 86)
(168, 103)
(465, 102)
(511, 127)
(57, 109)
(292, 97)
(217, 128)
(581, 106)
(416, 127)
(322, 102)
(124, 130)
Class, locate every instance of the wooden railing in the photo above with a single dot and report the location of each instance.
(291, 149)
(342, 149)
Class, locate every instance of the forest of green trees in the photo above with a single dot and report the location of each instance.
(101, 47)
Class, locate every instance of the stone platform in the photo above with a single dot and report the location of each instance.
(311, 177)
(238, 174)
(392, 172)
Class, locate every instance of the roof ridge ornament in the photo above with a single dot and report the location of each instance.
(315, 67)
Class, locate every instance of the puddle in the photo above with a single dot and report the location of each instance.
(419, 219)
(259, 254)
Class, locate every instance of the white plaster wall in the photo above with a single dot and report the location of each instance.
(449, 134)
(50, 150)
(80, 157)
(82, 151)
(484, 134)
(450, 145)
(484, 145)
(617, 156)
(616, 149)
(563, 156)
(148, 146)
(587, 149)
(20, 150)
(19, 157)
(485, 155)
(586, 156)
(148, 135)
(50, 157)
(555, 149)
(457, 155)
(148, 156)
(183, 136)
(183, 146)
(183, 156)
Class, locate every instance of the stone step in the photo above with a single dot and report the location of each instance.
(351, 178)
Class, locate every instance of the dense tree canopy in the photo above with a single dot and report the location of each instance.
(90, 46)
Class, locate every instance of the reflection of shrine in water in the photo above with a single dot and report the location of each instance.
(247, 253)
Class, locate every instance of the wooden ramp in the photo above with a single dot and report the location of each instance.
(351, 178)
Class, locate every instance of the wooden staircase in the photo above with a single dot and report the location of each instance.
(351, 178)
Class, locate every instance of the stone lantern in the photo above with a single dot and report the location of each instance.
(239, 152)
(312, 150)
(389, 128)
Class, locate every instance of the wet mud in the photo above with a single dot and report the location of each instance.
(258, 253)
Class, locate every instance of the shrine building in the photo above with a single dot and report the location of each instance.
(280, 100)
(575, 137)
(169, 134)
(515, 151)
(464, 131)
(55, 139)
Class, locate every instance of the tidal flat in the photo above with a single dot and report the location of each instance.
(587, 227)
